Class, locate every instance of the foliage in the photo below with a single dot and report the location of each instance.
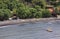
(28, 0)
(28, 13)
(33, 11)
(4, 14)
(23, 12)
(38, 8)
(57, 10)
(36, 12)
(46, 13)
(53, 0)
(41, 3)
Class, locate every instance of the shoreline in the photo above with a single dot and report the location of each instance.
(19, 21)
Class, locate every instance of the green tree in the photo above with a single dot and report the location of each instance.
(5, 14)
(23, 12)
(41, 3)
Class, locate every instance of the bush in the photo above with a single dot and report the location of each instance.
(7, 14)
(57, 11)
(37, 7)
(38, 14)
(35, 13)
(26, 12)
(4, 14)
(46, 13)
(23, 12)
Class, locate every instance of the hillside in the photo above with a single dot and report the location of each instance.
(26, 8)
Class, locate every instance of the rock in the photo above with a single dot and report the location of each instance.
(49, 29)
(10, 18)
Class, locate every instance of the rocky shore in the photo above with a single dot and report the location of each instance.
(19, 21)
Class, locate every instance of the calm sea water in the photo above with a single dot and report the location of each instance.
(32, 30)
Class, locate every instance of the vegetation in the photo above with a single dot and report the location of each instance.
(25, 8)
(46, 13)
(4, 14)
